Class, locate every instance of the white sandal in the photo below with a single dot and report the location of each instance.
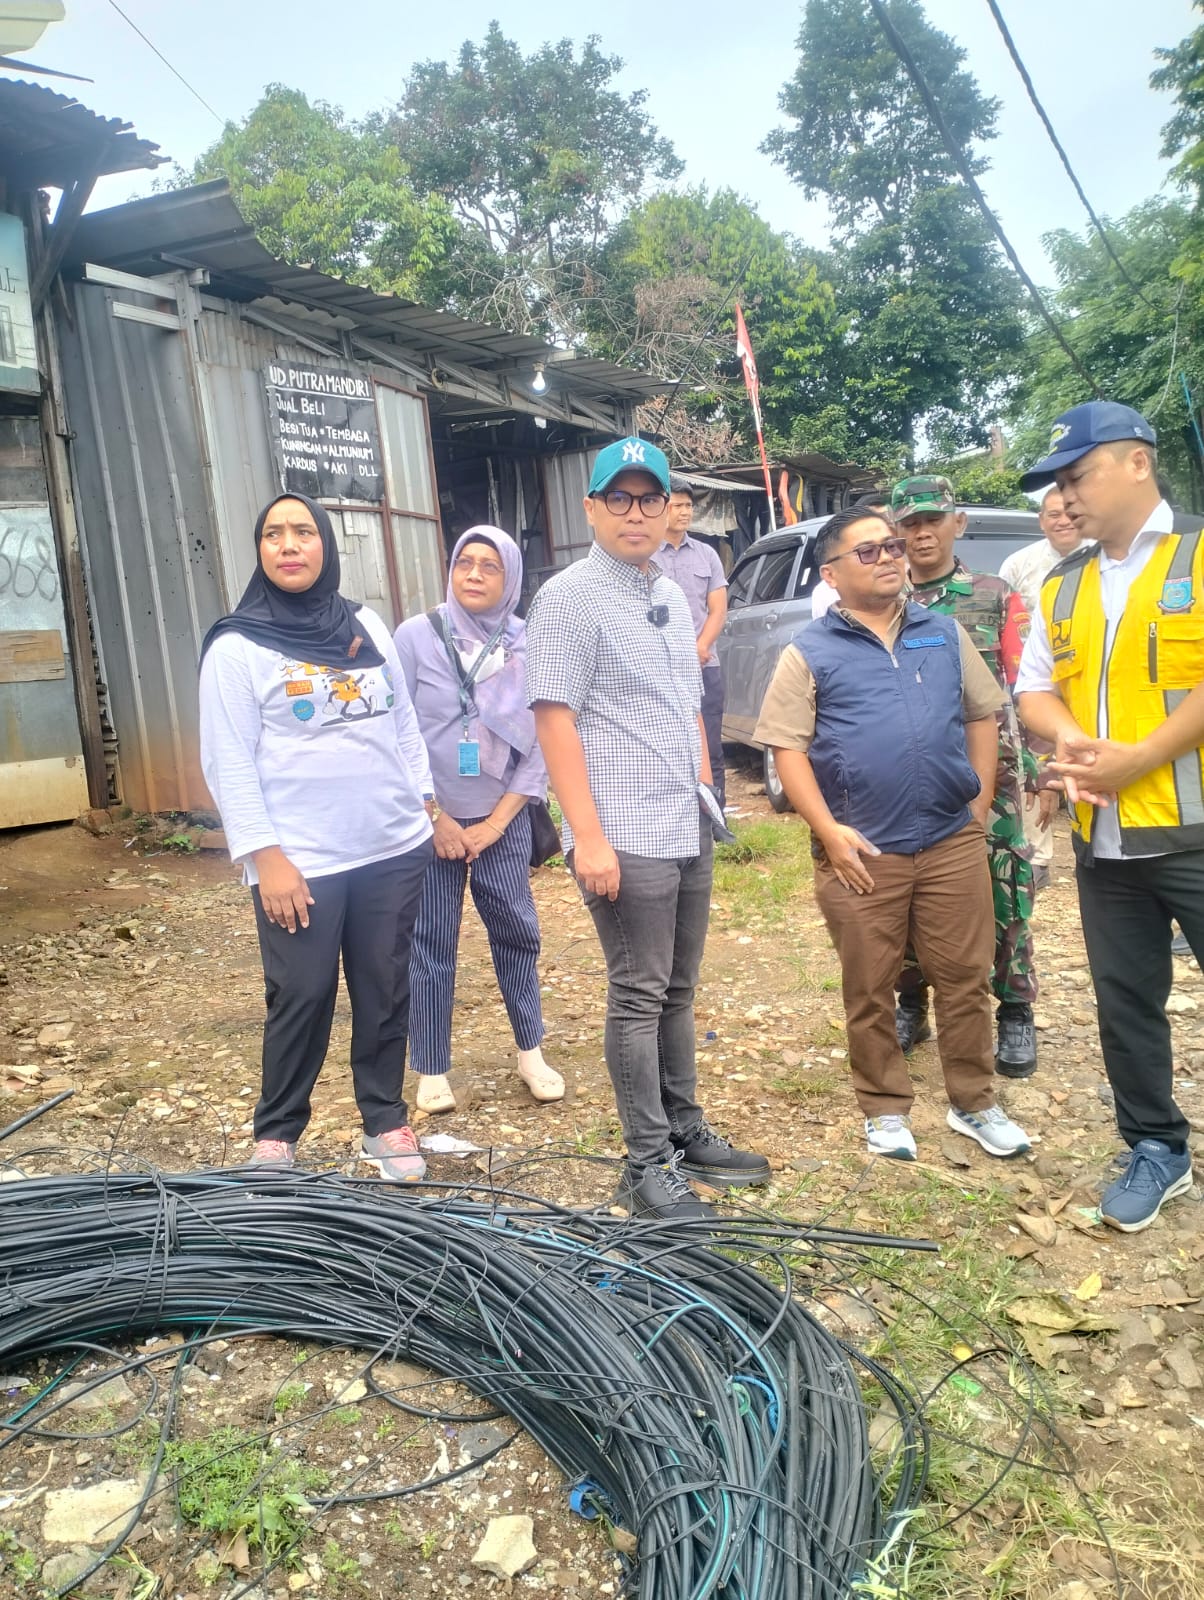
(435, 1094)
(543, 1082)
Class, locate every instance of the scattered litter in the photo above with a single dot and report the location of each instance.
(443, 1144)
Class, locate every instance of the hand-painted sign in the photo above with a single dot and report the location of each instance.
(324, 432)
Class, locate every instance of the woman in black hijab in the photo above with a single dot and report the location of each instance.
(312, 753)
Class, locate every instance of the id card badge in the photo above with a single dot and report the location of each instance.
(470, 758)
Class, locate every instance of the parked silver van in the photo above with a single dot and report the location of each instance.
(769, 600)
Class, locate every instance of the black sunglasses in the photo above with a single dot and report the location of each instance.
(870, 554)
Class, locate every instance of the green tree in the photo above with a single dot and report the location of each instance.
(1134, 346)
(536, 155)
(1182, 74)
(664, 295)
(334, 195)
(933, 325)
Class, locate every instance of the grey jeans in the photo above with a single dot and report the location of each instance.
(653, 937)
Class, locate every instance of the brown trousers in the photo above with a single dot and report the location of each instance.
(940, 901)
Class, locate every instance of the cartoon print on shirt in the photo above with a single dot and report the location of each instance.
(343, 696)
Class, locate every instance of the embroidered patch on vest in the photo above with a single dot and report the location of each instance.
(1177, 595)
(925, 641)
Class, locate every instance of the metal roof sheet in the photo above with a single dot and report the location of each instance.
(50, 140)
(203, 227)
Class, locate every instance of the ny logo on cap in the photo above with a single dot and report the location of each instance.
(633, 450)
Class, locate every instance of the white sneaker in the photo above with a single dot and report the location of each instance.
(890, 1136)
(993, 1128)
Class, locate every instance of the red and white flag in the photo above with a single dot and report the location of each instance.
(752, 383)
(749, 362)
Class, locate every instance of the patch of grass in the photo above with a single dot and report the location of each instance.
(1001, 1517)
(597, 1136)
(385, 1430)
(339, 1565)
(136, 1447)
(288, 1397)
(429, 1543)
(183, 843)
(17, 1559)
(228, 1483)
(761, 877)
(803, 1084)
(347, 1416)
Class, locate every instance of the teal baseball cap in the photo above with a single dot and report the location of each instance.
(628, 455)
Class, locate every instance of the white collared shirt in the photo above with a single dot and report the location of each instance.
(1027, 569)
(1036, 664)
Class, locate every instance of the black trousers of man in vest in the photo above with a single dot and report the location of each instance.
(1126, 908)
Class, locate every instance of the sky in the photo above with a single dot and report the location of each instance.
(712, 76)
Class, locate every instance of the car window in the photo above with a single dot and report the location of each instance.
(774, 577)
(807, 575)
(740, 581)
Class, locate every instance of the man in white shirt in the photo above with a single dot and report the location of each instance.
(1113, 676)
(1027, 569)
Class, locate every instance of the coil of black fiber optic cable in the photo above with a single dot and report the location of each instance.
(683, 1394)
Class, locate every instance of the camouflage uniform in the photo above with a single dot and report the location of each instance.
(996, 619)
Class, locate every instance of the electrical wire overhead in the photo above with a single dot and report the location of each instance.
(957, 156)
(1062, 156)
(195, 93)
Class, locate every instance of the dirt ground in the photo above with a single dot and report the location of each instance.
(134, 980)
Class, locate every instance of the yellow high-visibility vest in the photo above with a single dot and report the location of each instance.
(1156, 660)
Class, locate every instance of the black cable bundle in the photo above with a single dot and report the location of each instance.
(689, 1398)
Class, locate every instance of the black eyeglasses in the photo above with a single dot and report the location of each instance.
(659, 616)
(870, 554)
(619, 502)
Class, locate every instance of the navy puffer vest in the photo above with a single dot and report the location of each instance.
(889, 752)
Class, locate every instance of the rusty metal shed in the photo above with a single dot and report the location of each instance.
(177, 314)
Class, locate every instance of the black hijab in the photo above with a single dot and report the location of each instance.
(317, 625)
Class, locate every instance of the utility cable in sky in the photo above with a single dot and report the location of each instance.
(958, 157)
(1062, 156)
(194, 92)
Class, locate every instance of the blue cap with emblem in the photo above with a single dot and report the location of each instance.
(1081, 429)
(628, 455)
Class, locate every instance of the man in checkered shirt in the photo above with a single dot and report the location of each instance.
(613, 676)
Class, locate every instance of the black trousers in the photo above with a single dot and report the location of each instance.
(367, 915)
(1126, 909)
(712, 722)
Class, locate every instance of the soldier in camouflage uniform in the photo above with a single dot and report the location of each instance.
(996, 618)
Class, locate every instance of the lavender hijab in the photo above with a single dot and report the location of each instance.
(505, 721)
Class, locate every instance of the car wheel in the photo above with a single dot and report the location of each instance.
(773, 785)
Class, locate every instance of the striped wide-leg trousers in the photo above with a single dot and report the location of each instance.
(500, 883)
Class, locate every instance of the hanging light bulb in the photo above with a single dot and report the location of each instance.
(539, 383)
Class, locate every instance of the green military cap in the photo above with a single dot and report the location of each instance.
(925, 493)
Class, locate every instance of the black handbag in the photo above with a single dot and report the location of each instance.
(545, 841)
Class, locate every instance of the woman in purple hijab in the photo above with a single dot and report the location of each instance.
(464, 664)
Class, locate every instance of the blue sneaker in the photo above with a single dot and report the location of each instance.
(1154, 1174)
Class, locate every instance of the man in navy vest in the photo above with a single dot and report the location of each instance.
(881, 717)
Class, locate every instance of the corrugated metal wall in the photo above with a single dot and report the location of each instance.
(567, 478)
(154, 570)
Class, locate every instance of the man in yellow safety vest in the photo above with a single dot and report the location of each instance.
(1113, 675)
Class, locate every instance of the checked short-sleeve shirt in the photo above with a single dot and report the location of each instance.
(635, 689)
